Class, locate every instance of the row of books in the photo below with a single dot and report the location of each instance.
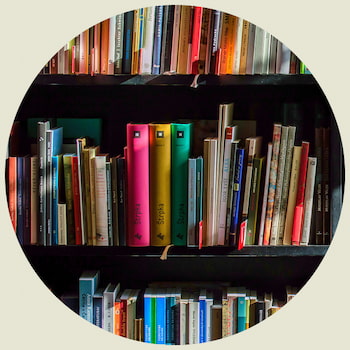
(174, 313)
(161, 192)
(174, 39)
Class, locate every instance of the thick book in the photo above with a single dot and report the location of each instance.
(160, 183)
(138, 195)
(88, 283)
(180, 151)
(309, 196)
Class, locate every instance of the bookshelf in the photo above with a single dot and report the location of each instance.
(120, 98)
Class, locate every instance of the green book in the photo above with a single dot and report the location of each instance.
(181, 140)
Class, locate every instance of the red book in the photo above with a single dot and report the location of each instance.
(12, 190)
(299, 205)
(76, 200)
(242, 234)
(104, 47)
(196, 35)
(138, 196)
(117, 317)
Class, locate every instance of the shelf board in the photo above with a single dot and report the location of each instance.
(178, 252)
(188, 80)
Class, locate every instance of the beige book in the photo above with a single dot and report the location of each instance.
(293, 187)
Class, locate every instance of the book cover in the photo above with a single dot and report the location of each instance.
(181, 139)
(88, 283)
(276, 139)
(293, 185)
(309, 195)
(299, 204)
(138, 195)
(160, 183)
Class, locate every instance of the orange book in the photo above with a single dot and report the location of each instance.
(104, 47)
(227, 43)
(96, 59)
(84, 52)
(118, 317)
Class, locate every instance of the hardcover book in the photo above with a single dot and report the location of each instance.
(88, 283)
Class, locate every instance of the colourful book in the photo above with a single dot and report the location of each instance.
(181, 139)
(184, 39)
(135, 44)
(109, 296)
(88, 283)
(196, 36)
(160, 316)
(191, 205)
(148, 39)
(199, 196)
(149, 316)
(138, 195)
(160, 183)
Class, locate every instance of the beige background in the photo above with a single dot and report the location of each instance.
(31, 32)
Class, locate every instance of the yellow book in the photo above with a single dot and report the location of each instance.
(244, 48)
(227, 43)
(293, 188)
(136, 42)
(160, 183)
(184, 40)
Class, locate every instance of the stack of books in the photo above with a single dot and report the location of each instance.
(174, 39)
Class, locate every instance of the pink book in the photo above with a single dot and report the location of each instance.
(137, 159)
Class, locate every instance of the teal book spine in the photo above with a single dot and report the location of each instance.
(241, 314)
(88, 283)
(180, 152)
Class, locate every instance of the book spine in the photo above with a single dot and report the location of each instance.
(114, 200)
(136, 33)
(180, 152)
(62, 223)
(148, 39)
(237, 183)
(299, 209)
(87, 193)
(121, 193)
(318, 214)
(67, 171)
(184, 39)
(102, 237)
(160, 318)
(98, 313)
(34, 201)
(202, 320)
(76, 201)
(325, 183)
(244, 48)
(309, 194)
(160, 183)
(157, 44)
(19, 201)
(138, 212)
(109, 204)
(241, 314)
(119, 40)
(55, 192)
(204, 40)
(87, 288)
(279, 186)
(196, 33)
(276, 138)
(80, 144)
(293, 185)
(250, 48)
(215, 40)
(175, 38)
(127, 44)
(168, 27)
(199, 197)
(191, 233)
(111, 44)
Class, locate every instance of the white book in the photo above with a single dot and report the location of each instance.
(148, 39)
(238, 45)
(109, 296)
(266, 52)
(183, 318)
(193, 320)
(308, 200)
(62, 223)
(265, 193)
(258, 50)
(250, 49)
(209, 305)
(101, 200)
(279, 184)
(111, 46)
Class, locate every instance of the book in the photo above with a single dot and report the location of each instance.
(293, 185)
(196, 36)
(98, 310)
(157, 43)
(149, 316)
(184, 39)
(109, 296)
(138, 197)
(57, 196)
(127, 44)
(167, 29)
(191, 205)
(326, 156)
(76, 200)
(33, 199)
(160, 316)
(308, 200)
(181, 140)
(88, 284)
(299, 204)
(148, 39)
(119, 41)
(160, 183)
(175, 38)
(121, 197)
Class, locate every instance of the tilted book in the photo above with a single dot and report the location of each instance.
(137, 174)
(88, 283)
(109, 296)
(180, 151)
(160, 183)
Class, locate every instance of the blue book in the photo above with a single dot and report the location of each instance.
(157, 44)
(203, 316)
(88, 283)
(170, 316)
(98, 308)
(241, 313)
(237, 184)
(148, 315)
(54, 140)
(160, 316)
